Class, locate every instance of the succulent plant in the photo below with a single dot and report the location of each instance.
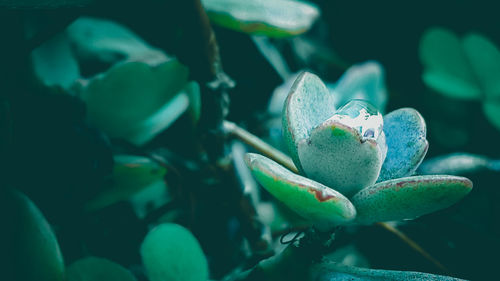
(355, 164)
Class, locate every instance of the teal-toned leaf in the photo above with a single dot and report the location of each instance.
(458, 164)
(54, 63)
(364, 81)
(171, 252)
(330, 271)
(103, 41)
(319, 204)
(347, 150)
(492, 112)
(98, 269)
(484, 58)
(192, 90)
(447, 68)
(408, 198)
(274, 18)
(136, 101)
(308, 104)
(405, 133)
(33, 252)
(131, 174)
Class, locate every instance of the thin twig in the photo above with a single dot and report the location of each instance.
(271, 152)
(259, 145)
(410, 242)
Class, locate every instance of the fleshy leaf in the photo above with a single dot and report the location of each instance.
(33, 252)
(347, 150)
(363, 81)
(320, 204)
(106, 42)
(408, 198)
(136, 101)
(447, 68)
(171, 252)
(54, 63)
(484, 58)
(131, 174)
(98, 269)
(274, 18)
(308, 104)
(458, 164)
(492, 112)
(405, 133)
(330, 271)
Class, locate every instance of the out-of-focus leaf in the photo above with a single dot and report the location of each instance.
(104, 41)
(458, 164)
(171, 252)
(447, 67)
(347, 150)
(484, 59)
(308, 104)
(136, 101)
(363, 81)
(54, 63)
(98, 269)
(320, 204)
(131, 174)
(405, 133)
(408, 198)
(274, 18)
(492, 112)
(33, 253)
(330, 271)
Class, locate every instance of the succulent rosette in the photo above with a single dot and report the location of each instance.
(355, 164)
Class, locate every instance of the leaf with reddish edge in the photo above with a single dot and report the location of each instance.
(308, 104)
(325, 207)
(405, 133)
(408, 198)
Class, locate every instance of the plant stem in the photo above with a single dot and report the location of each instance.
(278, 156)
(414, 245)
(259, 145)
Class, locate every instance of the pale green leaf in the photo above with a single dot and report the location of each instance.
(98, 269)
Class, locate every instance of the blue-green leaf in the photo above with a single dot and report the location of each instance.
(347, 150)
(319, 204)
(171, 252)
(136, 101)
(308, 104)
(408, 198)
(98, 269)
(363, 81)
(54, 63)
(492, 112)
(405, 133)
(447, 67)
(458, 164)
(330, 271)
(274, 18)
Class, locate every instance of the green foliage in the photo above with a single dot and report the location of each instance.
(33, 253)
(273, 18)
(171, 252)
(97, 269)
(463, 68)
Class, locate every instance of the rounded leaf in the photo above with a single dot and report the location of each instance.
(136, 101)
(320, 204)
(309, 103)
(346, 151)
(171, 252)
(408, 198)
(447, 68)
(32, 250)
(405, 134)
(458, 164)
(364, 81)
(492, 112)
(274, 18)
(98, 269)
